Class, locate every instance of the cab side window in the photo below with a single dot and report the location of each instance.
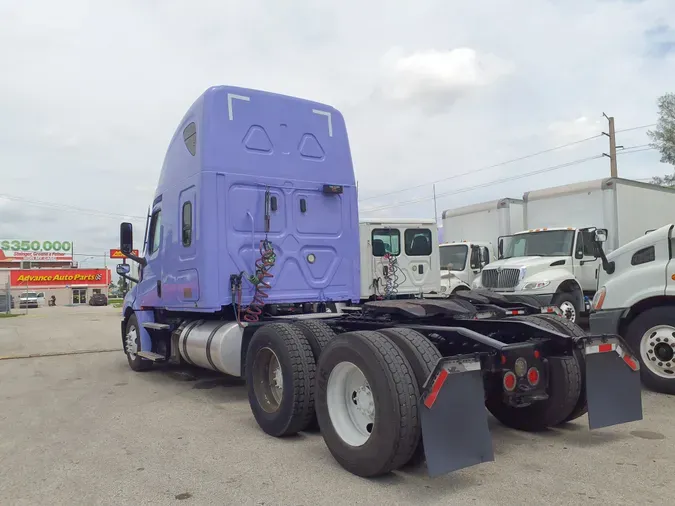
(588, 244)
(155, 231)
(417, 242)
(186, 225)
(386, 240)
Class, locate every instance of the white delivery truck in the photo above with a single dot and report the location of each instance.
(636, 299)
(469, 239)
(555, 260)
(399, 258)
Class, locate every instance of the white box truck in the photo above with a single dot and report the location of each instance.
(636, 300)
(555, 260)
(469, 240)
(399, 258)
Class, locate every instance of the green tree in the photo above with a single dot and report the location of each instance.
(663, 137)
(122, 285)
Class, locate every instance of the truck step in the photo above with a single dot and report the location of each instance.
(150, 355)
(156, 326)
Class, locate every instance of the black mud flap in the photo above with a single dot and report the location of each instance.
(613, 386)
(454, 419)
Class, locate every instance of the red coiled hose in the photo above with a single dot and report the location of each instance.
(262, 272)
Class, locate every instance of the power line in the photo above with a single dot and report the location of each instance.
(635, 128)
(489, 183)
(65, 207)
(501, 164)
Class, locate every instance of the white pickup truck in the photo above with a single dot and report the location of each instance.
(31, 299)
(636, 299)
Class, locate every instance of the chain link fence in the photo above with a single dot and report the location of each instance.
(5, 298)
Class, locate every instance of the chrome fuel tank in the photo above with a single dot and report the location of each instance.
(214, 345)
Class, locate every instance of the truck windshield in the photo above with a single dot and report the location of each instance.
(453, 256)
(28, 295)
(551, 243)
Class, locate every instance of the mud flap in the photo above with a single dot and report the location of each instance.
(613, 386)
(454, 420)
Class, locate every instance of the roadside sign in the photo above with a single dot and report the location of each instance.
(117, 253)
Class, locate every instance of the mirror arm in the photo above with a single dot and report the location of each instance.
(140, 260)
(607, 266)
(129, 278)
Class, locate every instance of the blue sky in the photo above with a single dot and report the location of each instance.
(92, 93)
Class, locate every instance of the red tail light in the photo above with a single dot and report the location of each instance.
(509, 381)
(533, 376)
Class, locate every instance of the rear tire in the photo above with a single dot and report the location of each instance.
(390, 440)
(423, 357)
(564, 389)
(279, 355)
(318, 334)
(572, 330)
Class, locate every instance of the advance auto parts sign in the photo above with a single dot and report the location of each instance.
(33, 278)
(35, 251)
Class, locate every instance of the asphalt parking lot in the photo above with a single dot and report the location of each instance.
(84, 429)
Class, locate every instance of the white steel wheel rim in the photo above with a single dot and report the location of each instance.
(657, 348)
(130, 342)
(568, 311)
(351, 406)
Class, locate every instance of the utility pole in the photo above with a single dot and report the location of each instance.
(612, 146)
(435, 209)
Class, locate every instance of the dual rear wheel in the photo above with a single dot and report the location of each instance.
(362, 387)
(363, 390)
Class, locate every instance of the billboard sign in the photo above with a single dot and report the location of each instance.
(36, 251)
(58, 277)
(117, 253)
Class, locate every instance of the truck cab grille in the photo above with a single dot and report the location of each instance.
(505, 278)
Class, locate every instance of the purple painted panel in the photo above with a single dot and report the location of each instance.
(248, 141)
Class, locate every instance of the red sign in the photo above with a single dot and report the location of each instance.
(58, 277)
(117, 253)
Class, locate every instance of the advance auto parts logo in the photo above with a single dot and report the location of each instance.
(46, 277)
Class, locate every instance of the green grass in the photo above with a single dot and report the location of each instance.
(10, 315)
(115, 300)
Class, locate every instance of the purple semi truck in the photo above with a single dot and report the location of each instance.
(256, 212)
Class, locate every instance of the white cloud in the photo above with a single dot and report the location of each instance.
(438, 78)
(580, 128)
(92, 92)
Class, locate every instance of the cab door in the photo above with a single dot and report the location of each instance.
(149, 291)
(418, 262)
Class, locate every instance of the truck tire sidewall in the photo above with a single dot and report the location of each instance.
(423, 357)
(297, 375)
(664, 315)
(137, 363)
(375, 456)
(570, 297)
(565, 326)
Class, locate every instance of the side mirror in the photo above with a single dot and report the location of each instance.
(126, 237)
(600, 235)
(123, 269)
(500, 247)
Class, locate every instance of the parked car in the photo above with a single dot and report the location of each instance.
(32, 299)
(98, 299)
